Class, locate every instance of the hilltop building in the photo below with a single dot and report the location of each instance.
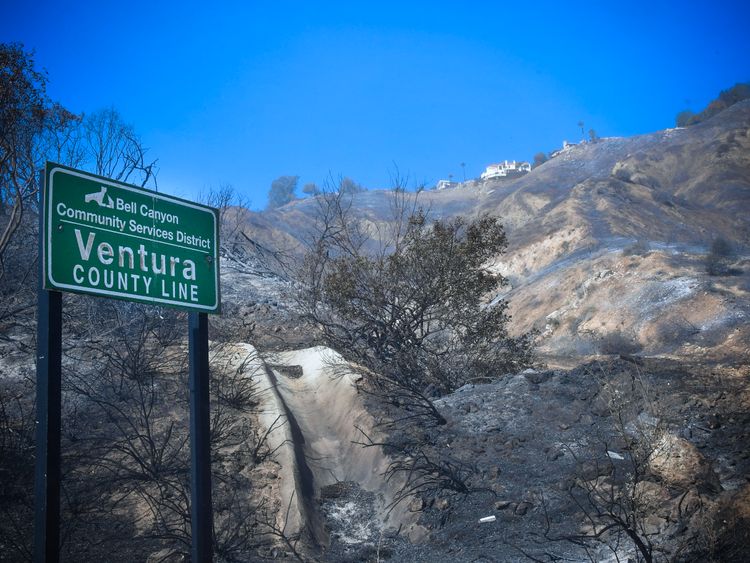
(506, 168)
(565, 146)
(445, 184)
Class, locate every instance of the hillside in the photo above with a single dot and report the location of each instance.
(607, 241)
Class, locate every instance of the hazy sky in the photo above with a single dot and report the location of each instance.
(243, 92)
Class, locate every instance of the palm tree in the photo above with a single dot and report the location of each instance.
(463, 167)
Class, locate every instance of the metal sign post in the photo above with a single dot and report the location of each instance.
(102, 237)
(48, 393)
(200, 440)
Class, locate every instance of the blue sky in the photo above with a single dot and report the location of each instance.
(242, 92)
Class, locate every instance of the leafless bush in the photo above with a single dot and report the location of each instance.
(425, 469)
(613, 480)
(18, 282)
(269, 526)
(240, 252)
(126, 427)
(113, 149)
(16, 468)
(235, 382)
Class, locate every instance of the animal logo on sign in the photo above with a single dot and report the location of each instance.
(99, 197)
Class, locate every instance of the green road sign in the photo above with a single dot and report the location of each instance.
(111, 239)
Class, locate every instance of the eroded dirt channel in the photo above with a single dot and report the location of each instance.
(314, 391)
(303, 475)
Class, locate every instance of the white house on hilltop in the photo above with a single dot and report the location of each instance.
(506, 168)
(445, 184)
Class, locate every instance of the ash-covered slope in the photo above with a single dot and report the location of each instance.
(676, 186)
(608, 240)
(618, 261)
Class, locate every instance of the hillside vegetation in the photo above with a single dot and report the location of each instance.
(727, 98)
